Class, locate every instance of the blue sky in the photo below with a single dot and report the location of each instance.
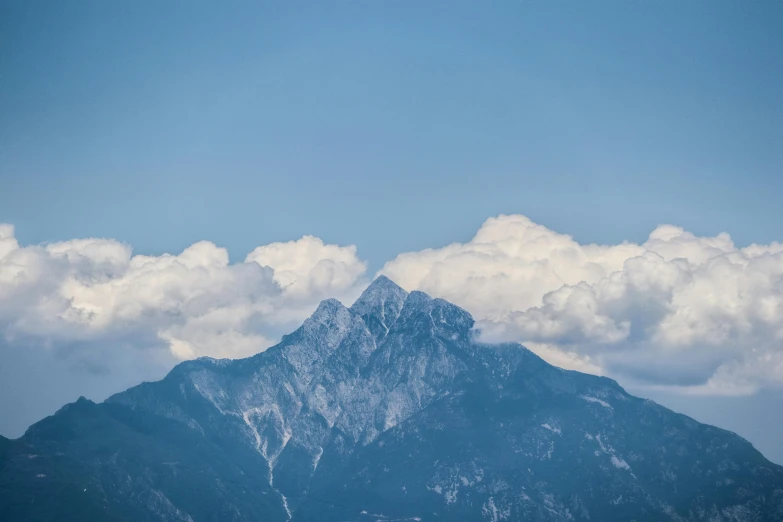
(392, 126)
(163, 124)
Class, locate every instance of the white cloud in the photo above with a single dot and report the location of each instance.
(696, 313)
(693, 314)
(194, 303)
(308, 267)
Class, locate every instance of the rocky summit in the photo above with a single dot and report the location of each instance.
(390, 410)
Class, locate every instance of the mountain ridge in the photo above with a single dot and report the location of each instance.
(389, 407)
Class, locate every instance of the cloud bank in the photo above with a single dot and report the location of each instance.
(191, 304)
(695, 314)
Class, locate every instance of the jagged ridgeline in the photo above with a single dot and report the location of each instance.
(388, 410)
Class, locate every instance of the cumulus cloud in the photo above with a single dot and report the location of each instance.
(696, 315)
(308, 267)
(693, 313)
(191, 304)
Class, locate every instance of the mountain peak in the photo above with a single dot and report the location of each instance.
(328, 307)
(381, 286)
(444, 317)
(380, 305)
(330, 313)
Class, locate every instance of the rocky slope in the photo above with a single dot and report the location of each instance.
(388, 410)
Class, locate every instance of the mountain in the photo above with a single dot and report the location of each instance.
(389, 410)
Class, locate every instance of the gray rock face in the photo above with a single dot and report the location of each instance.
(388, 410)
